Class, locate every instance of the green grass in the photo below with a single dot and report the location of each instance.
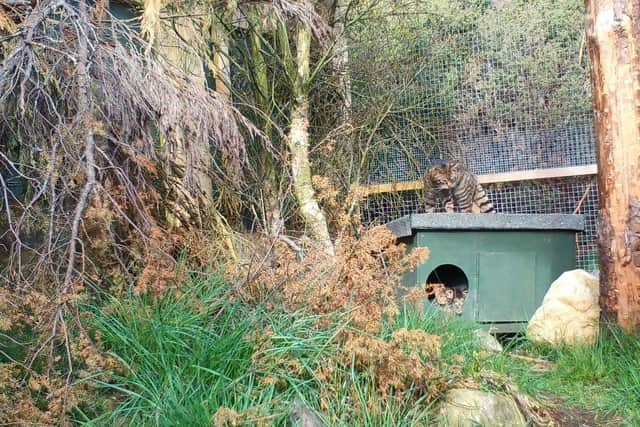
(192, 353)
(605, 377)
(457, 334)
(178, 359)
(189, 355)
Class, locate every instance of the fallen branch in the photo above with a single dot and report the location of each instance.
(547, 364)
(15, 3)
(84, 118)
(582, 199)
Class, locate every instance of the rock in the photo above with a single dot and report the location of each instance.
(570, 311)
(486, 341)
(465, 407)
(302, 416)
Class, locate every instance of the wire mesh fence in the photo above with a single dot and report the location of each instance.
(552, 196)
(501, 86)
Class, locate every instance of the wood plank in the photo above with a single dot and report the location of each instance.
(534, 174)
(493, 178)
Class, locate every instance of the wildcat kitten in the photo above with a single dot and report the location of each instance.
(437, 188)
(453, 184)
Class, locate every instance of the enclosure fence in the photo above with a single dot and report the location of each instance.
(505, 89)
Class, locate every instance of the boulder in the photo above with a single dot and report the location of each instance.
(487, 342)
(570, 311)
(302, 416)
(466, 407)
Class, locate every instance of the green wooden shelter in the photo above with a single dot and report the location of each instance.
(506, 262)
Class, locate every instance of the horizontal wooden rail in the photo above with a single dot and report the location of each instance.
(491, 178)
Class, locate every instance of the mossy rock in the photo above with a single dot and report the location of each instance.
(467, 407)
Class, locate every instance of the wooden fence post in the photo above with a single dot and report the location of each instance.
(613, 32)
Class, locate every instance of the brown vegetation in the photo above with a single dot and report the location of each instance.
(409, 359)
(110, 142)
(90, 126)
(362, 279)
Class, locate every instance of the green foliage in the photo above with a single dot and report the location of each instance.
(604, 377)
(190, 354)
(532, 65)
(445, 71)
(457, 333)
(176, 364)
(194, 356)
(193, 352)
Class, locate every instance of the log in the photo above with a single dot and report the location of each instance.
(613, 36)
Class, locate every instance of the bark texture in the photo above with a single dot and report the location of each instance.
(298, 140)
(341, 60)
(175, 43)
(271, 194)
(219, 33)
(613, 34)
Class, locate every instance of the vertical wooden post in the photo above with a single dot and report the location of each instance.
(613, 31)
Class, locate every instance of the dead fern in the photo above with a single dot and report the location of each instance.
(360, 280)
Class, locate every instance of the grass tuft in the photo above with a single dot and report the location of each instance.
(183, 356)
(604, 377)
(195, 358)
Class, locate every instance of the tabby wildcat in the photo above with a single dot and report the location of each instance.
(454, 185)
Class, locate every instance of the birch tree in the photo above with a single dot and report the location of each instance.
(298, 140)
(281, 43)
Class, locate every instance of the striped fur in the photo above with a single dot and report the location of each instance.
(437, 187)
(457, 187)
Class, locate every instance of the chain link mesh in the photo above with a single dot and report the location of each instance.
(502, 89)
(553, 196)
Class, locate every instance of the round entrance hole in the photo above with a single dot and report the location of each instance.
(449, 275)
(447, 286)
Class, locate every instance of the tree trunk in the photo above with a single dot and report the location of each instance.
(613, 29)
(341, 60)
(271, 195)
(175, 43)
(221, 65)
(298, 140)
(343, 70)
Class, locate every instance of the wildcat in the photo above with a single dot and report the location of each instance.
(451, 183)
